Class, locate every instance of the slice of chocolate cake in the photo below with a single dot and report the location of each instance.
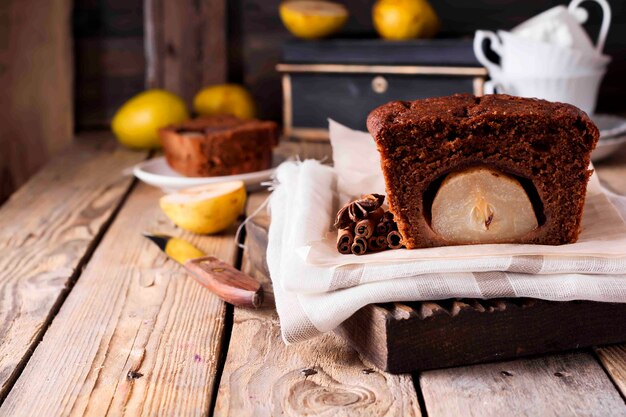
(219, 145)
(494, 169)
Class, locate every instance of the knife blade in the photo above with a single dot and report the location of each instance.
(224, 280)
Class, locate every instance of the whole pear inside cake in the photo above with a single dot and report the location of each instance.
(482, 205)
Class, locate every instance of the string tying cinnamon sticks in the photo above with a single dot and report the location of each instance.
(364, 226)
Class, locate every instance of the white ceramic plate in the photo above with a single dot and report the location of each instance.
(158, 173)
(610, 125)
(607, 147)
(612, 135)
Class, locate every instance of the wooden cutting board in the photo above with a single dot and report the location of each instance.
(407, 337)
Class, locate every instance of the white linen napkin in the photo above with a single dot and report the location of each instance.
(316, 288)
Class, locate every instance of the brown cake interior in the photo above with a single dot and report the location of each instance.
(547, 146)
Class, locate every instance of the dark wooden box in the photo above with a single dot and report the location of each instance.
(345, 79)
(408, 337)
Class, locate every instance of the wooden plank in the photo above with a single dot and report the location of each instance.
(47, 229)
(107, 19)
(380, 69)
(136, 336)
(153, 42)
(260, 35)
(557, 385)
(264, 377)
(181, 50)
(613, 358)
(36, 97)
(102, 58)
(214, 41)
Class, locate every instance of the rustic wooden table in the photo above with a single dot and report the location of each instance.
(95, 320)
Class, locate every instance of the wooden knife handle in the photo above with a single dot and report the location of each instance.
(225, 281)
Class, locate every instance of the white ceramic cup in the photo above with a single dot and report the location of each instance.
(520, 55)
(562, 26)
(580, 90)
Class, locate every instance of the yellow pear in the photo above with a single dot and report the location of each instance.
(137, 122)
(405, 19)
(205, 209)
(313, 19)
(230, 99)
(482, 205)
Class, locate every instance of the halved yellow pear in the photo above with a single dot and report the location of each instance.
(309, 19)
(207, 208)
(482, 205)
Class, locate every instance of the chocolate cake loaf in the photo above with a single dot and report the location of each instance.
(464, 169)
(219, 145)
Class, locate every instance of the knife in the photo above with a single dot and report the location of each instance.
(225, 281)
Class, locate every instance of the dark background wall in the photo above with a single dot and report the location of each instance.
(36, 80)
(110, 64)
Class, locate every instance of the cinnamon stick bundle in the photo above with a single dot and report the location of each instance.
(358, 210)
(364, 226)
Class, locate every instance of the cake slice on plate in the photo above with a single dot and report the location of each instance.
(219, 145)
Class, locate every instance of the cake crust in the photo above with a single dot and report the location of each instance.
(547, 146)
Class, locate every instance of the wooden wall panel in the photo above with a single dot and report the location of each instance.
(110, 62)
(214, 41)
(186, 44)
(36, 83)
(261, 34)
(111, 70)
